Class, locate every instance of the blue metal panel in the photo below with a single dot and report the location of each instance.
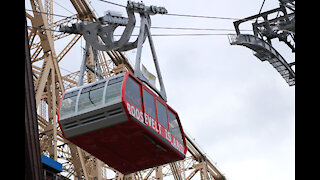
(51, 163)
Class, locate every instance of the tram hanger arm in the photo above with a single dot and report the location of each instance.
(105, 27)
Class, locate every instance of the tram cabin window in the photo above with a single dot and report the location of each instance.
(113, 90)
(91, 96)
(162, 114)
(132, 92)
(68, 104)
(149, 104)
(174, 126)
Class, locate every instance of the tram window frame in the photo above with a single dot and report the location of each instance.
(128, 90)
(113, 89)
(69, 96)
(150, 110)
(162, 113)
(87, 94)
(174, 129)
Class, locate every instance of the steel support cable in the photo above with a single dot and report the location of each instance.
(193, 29)
(58, 15)
(198, 16)
(183, 15)
(261, 9)
(112, 3)
(178, 34)
(155, 27)
(169, 28)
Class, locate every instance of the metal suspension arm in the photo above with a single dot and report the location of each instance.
(104, 28)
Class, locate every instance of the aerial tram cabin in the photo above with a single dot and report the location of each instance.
(123, 123)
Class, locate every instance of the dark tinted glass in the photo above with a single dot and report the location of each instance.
(132, 92)
(149, 104)
(174, 126)
(162, 114)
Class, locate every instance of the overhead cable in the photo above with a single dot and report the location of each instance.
(207, 34)
(193, 29)
(48, 13)
(153, 27)
(177, 34)
(261, 8)
(197, 16)
(183, 15)
(112, 3)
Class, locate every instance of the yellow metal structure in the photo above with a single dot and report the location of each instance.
(50, 85)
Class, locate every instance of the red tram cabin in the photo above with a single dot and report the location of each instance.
(123, 123)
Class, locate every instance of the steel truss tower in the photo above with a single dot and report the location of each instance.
(50, 85)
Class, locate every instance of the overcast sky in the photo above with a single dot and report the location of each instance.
(239, 110)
